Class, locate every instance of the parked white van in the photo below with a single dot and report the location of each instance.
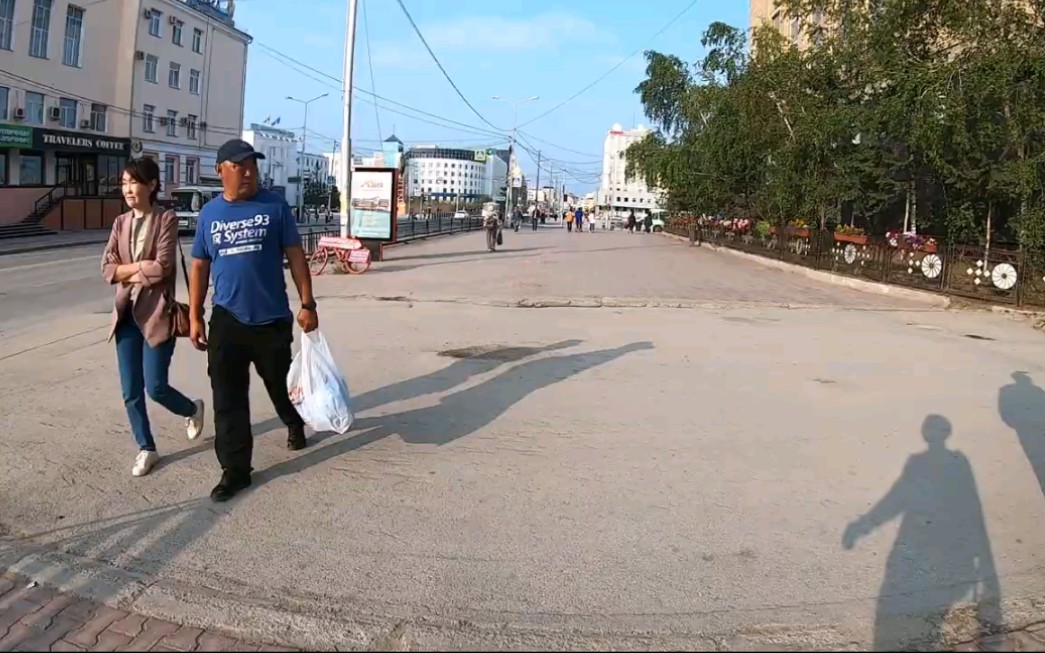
(188, 200)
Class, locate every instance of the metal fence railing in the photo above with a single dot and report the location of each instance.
(407, 229)
(1000, 273)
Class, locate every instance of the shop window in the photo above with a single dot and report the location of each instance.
(31, 169)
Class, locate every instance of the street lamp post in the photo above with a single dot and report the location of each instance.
(330, 194)
(511, 147)
(304, 138)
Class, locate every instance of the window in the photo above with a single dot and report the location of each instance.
(192, 171)
(174, 75)
(67, 113)
(194, 82)
(99, 118)
(31, 169)
(172, 123)
(155, 22)
(170, 171)
(73, 36)
(152, 63)
(40, 28)
(7, 23)
(176, 32)
(191, 127)
(4, 94)
(34, 108)
(148, 115)
(197, 41)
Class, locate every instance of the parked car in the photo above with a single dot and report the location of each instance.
(460, 214)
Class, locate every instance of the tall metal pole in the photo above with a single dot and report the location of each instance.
(330, 195)
(345, 181)
(301, 176)
(537, 191)
(301, 158)
(511, 149)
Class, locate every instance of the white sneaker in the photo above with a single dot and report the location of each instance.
(194, 424)
(144, 463)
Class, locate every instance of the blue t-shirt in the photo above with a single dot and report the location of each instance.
(244, 242)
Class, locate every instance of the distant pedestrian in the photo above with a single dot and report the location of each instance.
(648, 222)
(632, 223)
(569, 220)
(579, 218)
(242, 237)
(140, 259)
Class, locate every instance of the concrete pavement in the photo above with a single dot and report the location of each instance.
(565, 477)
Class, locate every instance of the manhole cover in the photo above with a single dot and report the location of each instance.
(490, 353)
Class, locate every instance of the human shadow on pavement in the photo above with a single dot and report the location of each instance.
(459, 414)
(469, 363)
(1021, 405)
(941, 558)
(479, 258)
(441, 255)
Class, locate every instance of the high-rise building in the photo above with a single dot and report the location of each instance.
(617, 193)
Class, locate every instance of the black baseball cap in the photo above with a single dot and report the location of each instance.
(237, 150)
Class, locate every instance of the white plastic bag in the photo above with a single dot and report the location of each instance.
(317, 388)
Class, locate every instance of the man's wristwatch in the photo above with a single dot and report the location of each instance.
(309, 306)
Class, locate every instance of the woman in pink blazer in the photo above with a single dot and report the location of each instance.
(139, 260)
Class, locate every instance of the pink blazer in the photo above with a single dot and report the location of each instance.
(157, 275)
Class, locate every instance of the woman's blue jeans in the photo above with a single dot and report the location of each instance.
(143, 370)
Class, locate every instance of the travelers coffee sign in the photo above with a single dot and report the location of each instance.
(49, 139)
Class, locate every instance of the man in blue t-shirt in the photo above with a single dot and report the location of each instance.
(241, 239)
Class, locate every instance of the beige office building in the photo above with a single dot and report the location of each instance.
(84, 85)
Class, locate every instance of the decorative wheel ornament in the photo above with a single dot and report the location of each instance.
(849, 254)
(932, 266)
(1003, 276)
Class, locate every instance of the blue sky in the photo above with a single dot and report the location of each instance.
(548, 48)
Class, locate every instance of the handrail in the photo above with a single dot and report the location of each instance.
(49, 199)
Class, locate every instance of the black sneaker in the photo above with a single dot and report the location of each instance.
(296, 438)
(230, 483)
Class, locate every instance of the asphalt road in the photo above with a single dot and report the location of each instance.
(774, 462)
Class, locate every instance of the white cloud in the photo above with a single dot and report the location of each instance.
(547, 30)
(490, 34)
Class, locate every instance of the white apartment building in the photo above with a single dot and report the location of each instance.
(280, 147)
(451, 174)
(616, 192)
(190, 74)
(86, 85)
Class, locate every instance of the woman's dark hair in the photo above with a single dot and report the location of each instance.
(145, 171)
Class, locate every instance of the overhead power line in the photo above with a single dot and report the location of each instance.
(296, 65)
(614, 68)
(424, 41)
(370, 63)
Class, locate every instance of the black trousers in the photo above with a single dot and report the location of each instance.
(232, 347)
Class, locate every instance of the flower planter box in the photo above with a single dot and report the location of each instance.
(797, 232)
(856, 239)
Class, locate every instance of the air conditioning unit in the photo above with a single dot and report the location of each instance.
(173, 20)
(139, 55)
(163, 121)
(203, 125)
(19, 113)
(147, 14)
(54, 113)
(184, 122)
(85, 124)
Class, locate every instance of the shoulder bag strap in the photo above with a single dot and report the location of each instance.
(184, 269)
